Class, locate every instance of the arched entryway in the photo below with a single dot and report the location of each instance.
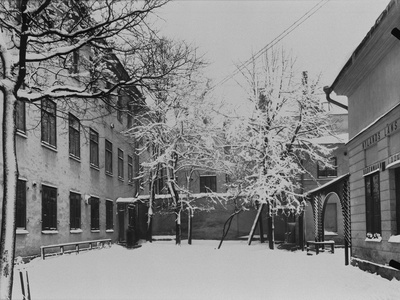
(320, 198)
(332, 219)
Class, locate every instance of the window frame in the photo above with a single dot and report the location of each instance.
(397, 191)
(109, 214)
(130, 169)
(373, 218)
(74, 136)
(49, 213)
(108, 153)
(203, 184)
(120, 164)
(94, 148)
(94, 213)
(75, 211)
(49, 123)
(327, 172)
(20, 121)
(20, 219)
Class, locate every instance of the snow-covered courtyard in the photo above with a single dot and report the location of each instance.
(162, 270)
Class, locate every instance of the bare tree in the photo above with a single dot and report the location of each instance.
(269, 144)
(66, 50)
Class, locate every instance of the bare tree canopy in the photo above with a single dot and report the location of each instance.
(66, 50)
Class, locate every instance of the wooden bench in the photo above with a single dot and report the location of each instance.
(318, 245)
(76, 244)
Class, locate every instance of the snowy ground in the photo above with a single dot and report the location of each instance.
(162, 270)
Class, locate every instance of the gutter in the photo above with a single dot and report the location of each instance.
(328, 91)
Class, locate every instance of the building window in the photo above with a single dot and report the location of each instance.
(107, 98)
(49, 122)
(397, 182)
(327, 171)
(373, 204)
(74, 210)
(208, 184)
(130, 169)
(159, 184)
(119, 107)
(120, 164)
(21, 204)
(75, 62)
(94, 213)
(130, 116)
(21, 116)
(94, 148)
(74, 136)
(49, 208)
(109, 165)
(109, 215)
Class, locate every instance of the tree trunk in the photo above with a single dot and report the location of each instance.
(270, 222)
(10, 177)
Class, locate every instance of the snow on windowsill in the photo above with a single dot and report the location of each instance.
(21, 231)
(49, 231)
(95, 230)
(110, 230)
(73, 157)
(394, 239)
(76, 231)
(22, 134)
(375, 240)
(50, 147)
(92, 166)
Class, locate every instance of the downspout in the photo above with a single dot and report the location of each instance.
(328, 91)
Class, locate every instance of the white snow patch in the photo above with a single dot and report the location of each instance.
(162, 270)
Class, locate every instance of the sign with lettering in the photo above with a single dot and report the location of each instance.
(374, 167)
(394, 158)
(376, 137)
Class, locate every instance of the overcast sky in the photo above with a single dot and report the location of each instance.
(229, 32)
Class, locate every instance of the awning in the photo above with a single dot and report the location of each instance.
(328, 184)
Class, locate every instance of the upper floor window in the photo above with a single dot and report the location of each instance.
(109, 157)
(373, 203)
(21, 116)
(49, 131)
(208, 184)
(328, 171)
(120, 164)
(119, 106)
(107, 98)
(130, 169)
(130, 116)
(74, 210)
(75, 62)
(94, 148)
(74, 136)
(49, 208)
(21, 204)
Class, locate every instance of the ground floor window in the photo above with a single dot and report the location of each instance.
(21, 204)
(75, 210)
(109, 215)
(397, 180)
(49, 208)
(94, 213)
(373, 204)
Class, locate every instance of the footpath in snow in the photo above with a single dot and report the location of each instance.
(162, 270)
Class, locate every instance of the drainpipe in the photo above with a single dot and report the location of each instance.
(328, 91)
